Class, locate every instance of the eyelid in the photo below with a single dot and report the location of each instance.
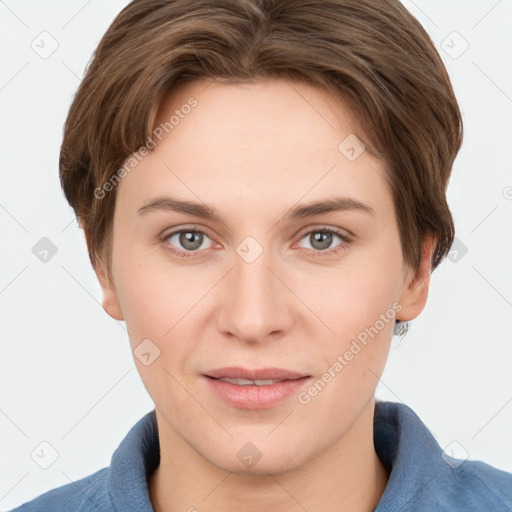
(345, 235)
(325, 227)
(179, 229)
(180, 252)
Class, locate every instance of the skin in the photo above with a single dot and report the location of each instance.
(252, 152)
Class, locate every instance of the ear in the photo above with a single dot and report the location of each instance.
(416, 284)
(110, 300)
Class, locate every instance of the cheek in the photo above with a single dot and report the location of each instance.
(358, 307)
(159, 306)
(354, 298)
(153, 294)
(351, 362)
(148, 310)
(165, 305)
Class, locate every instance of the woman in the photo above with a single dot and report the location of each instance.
(262, 187)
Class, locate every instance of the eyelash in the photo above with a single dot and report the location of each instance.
(323, 229)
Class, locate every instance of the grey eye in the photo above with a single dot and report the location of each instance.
(321, 240)
(188, 240)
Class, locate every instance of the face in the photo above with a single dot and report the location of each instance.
(251, 284)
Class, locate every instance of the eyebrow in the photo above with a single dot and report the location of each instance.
(298, 212)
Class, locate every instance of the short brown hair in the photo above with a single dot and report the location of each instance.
(372, 54)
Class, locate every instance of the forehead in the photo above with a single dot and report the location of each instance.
(264, 107)
(264, 143)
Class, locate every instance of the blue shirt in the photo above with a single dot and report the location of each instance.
(422, 477)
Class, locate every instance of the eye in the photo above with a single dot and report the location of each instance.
(188, 242)
(185, 242)
(321, 239)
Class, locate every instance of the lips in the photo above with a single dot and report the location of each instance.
(261, 374)
(261, 388)
(249, 382)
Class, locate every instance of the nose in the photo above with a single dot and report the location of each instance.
(255, 302)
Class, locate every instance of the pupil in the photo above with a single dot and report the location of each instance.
(188, 238)
(327, 240)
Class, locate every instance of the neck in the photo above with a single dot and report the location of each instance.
(349, 477)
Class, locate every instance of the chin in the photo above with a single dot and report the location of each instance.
(259, 457)
(273, 466)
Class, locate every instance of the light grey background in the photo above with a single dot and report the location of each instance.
(67, 374)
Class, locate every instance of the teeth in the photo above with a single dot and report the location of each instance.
(247, 382)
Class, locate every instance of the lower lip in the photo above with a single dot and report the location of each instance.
(256, 397)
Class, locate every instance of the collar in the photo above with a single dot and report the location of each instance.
(421, 476)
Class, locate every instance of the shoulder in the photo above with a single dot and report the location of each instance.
(120, 487)
(478, 486)
(472, 486)
(424, 478)
(88, 494)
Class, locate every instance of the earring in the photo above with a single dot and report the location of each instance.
(400, 328)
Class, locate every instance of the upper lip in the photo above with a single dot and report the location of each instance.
(236, 372)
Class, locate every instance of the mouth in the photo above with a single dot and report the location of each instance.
(255, 389)
(255, 375)
(249, 382)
